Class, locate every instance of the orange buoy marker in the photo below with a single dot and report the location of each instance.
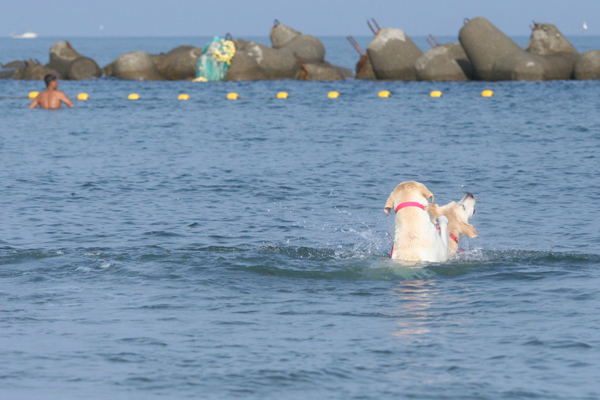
(83, 96)
(233, 96)
(435, 93)
(133, 96)
(487, 93)
(282, 95)
(333, 95)
(384, 93)
(183, 96)
(33, 95)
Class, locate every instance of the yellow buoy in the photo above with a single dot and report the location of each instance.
(83, 96)
(435, 93)
(233, 96)
(33, 95)
(487, 93)
(133, 96)
(333, 95)
(384, 93)
(282, 95)
(183, 96)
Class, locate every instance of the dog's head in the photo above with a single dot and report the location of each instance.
(458, 214)
(407, 191)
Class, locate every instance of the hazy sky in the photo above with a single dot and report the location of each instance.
(68, 18)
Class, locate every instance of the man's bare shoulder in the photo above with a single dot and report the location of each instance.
(63, 97)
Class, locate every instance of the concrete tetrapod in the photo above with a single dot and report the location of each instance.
(519, 66)
(31, 69)
(61, 56)
(178, 64)
(282, 34)
(136, 65)
(393, 55)
(495, 56)
(254, 61)
(83, 68)
(307, 47)
(587, 65)
(446, 62)
(245, 63)
(9, 70)
(319, 72)
(553, 50)
(547, 40)
(557, 67)
(343, 71)
(69, 64)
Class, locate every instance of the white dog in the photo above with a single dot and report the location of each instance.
(458, 215)
(416, 236)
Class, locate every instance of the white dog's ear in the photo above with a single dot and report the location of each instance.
(389, 205)
(434, 210)
(468, 230)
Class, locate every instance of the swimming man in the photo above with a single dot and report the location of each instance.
(50, 98)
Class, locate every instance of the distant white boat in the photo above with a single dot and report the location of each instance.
(26, 35)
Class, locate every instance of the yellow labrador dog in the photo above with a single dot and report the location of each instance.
(416, 237)
(458, 214)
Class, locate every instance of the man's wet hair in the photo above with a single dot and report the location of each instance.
(49, 78)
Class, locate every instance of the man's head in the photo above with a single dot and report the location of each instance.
(49, 79)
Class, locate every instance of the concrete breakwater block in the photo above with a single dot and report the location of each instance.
(69, 64)
(319, 72)
(446, 62)
(393, 55)
(497, 57)
(255, 61)
(28, 69)
(293, 55)
(553, 50)
(587, 65)
(494, 55)
(65, 63)
(547, 40)
(178, 64)
(136, 65)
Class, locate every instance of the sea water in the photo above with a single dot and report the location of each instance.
(223, 249)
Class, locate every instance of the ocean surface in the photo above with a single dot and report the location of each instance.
(221, 249)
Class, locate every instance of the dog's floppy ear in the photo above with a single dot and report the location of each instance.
(434, 210)
(468, 230)
(428, 195)
(389, 204)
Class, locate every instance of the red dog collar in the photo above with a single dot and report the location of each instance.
(453, 237)
(450, 234)
(409, 204)
(404, 205)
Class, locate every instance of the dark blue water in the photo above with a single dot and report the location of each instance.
(239, 249)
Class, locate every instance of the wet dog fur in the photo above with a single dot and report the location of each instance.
(458, 214)
(416, 237)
